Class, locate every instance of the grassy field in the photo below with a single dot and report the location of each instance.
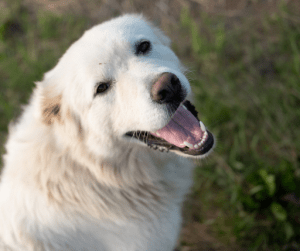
(247, 86)
(245, 74)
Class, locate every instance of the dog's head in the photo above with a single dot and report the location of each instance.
(121, 84)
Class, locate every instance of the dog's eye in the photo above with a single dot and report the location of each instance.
(102, 87)
(143, 48)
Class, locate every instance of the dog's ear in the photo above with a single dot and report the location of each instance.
(51, 109)
(50, 104)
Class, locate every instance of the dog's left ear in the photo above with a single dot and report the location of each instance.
(50, 104)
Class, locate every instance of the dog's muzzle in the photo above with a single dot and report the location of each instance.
(184, 133)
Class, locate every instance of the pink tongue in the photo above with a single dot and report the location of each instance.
(183, 127)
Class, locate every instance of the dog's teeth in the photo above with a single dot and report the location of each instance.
(157, 134)
(183, 106)
(201, 142)
(196, 146)
(203, 139)
(202, 126)
(188, 144)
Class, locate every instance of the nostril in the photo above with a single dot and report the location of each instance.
(163, 96)
(174, 80)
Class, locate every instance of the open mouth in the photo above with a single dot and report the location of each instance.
(184, 133)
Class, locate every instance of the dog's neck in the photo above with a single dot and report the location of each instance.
(131, 179)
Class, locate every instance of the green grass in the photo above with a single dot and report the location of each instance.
(247, 86)
(246, 82)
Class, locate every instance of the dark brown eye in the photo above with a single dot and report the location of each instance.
(102, 87)
(143, 47)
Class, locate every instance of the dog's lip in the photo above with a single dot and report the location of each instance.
(154, 140)
(205, 146)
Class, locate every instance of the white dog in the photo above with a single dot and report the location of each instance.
(97, 160)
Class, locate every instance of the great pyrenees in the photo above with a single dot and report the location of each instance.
(101, 158)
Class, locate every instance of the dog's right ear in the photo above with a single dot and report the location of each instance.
(49, 103)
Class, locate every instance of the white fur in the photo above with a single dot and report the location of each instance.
(71, 180)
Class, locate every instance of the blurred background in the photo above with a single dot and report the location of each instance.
(243, 58)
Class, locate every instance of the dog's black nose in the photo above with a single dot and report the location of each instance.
(166, 89)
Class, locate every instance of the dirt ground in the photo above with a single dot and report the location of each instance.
(165, 13)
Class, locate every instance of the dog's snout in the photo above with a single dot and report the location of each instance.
(166, 89)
